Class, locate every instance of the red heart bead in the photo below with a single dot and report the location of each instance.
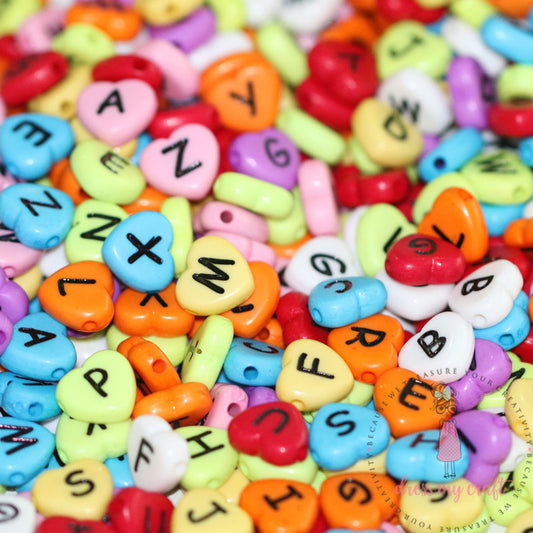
(64, 524)
(135, 510)
(275, 431)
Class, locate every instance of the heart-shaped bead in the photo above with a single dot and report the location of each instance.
(144, 314)
(92, 223)
(17, 514)
(359, 500)
(245, 89)
(269, 155)
(40, 216)
(185, 164)
(486, 296)
(279, 504)
(443, 349)
(275, 431)
(82, 440)
(39, 349)
(312, 375)
(82, 490)
(104, 174)
(456, 217)
(342, 434)
(158, 456)
(212, 459)
(30, 143)
(518, 407)
(137, 251)
(25, 449)
(134, 510)
(205, 510)
(101, 391)
(410, 403)
(80, 296)
(369, 346)
(217, 278)
(421, 260)
(117, 112)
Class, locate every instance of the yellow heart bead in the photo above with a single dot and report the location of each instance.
(207, 511)
(387, 138)
(312, 375)
(81, 490)
(217, 278)
(519, 408)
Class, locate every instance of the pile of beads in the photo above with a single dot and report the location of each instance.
(265, 266)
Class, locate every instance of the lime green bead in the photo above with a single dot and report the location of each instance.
(84, 44)
(254, 194)
(175, 348)
(499, 178)
(360, 394)
(311, 136)
(318, 480)
(412, 174)
(473, 12)
(361, 160)
(290, 229)
(213, 462)
(409, 44)
(80, 440)
(515, 82)
(178, 212)
(379, 225)
(497, 398)
(2, 489)
(104, 174)
(428, 195)
(207, 351)
(278, 46)
(14, 12)
(230, 14)
(254, 468)
(84, 240)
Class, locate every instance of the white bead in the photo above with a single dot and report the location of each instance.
(414, 303)
(419, 98)
(53, 260)
(308, 16)
(86, 346)
(158, 456)
(486, 296)
(319, 259)
(466, 41)
(221, 45)
(442, 351)
(259, 12)
(349, 233)
(17, 514)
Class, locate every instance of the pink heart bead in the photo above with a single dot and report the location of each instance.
(117, 112)
(185, 164)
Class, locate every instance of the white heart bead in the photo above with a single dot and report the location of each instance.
(442, 351)
(17, 515)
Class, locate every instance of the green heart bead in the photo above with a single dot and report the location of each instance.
(212, 459)
(178, 212)
(254, 468)
(104, 174)
(80, 440)
(175, 348)
(14, 12)
(293, 227)
(474, 12)
(409, 44)
(515, 82)
(425, 200)
(497, 398)
(93, 221)
(499, 178)
(83, 44)
(229, 14)
(101, 391)
(207, 351)
(379, 228)
(318, 480)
